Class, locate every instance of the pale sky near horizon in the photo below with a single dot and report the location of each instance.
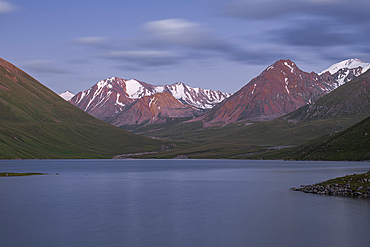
(216, 44)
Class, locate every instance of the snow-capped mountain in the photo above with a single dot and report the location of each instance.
(198, 97)
(109, 97)
(346, 70)
(347, 64)
(67, 95)
(279, 89)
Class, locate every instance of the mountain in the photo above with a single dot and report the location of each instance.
(349, 100)
(67, 95)
(111, 99)
(279, 89)
(37, 123)
(346, 70)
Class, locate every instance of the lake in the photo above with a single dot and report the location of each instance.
(178, 203)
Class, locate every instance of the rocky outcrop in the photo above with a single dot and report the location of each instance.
(356, 185)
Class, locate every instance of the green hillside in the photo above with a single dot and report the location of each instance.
(243, 141)
(37, 123)
(351, 144)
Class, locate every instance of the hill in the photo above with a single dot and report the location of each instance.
(37, 123)
(350, 144)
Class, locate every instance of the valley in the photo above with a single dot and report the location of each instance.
(274, 116)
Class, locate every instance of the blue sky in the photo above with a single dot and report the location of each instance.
(216, 44)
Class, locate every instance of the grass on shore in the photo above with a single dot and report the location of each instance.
(17, 174)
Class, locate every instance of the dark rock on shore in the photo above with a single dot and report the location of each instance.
(356, 185)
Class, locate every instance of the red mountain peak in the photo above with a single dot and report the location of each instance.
(281, 88)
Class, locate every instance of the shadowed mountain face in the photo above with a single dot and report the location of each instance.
(132, 102)
(279, 89)
(37, 123)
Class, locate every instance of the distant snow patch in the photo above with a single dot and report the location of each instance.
(67, 95)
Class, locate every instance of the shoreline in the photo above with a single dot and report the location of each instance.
(356, 185)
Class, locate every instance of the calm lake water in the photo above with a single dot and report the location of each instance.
(178, 203)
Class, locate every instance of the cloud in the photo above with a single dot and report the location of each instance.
(197, 41)
(90, 40)
(44, 67)
(6, 7)
(315, 35)
(169, 42)
(151, 58)
(353, 11)
(184, 33)
(173, 41)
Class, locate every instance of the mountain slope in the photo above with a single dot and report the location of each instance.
(37, 123)
(351, 99)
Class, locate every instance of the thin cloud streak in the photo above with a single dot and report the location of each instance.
(151, 58)
(90, 40)
(44, 67)
(352, 11)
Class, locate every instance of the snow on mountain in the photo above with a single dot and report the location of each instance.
(346, 70)
(198, 97)
(136, 90)
(67, 95)
(347, 64)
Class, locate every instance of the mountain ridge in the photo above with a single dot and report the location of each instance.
(110, 97)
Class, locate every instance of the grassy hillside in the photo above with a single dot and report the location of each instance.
(242, 140)
(36, 123)
(351, 144)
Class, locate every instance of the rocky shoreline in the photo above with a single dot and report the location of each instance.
(356, 185)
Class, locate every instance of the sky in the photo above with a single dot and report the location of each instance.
(214, 44)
